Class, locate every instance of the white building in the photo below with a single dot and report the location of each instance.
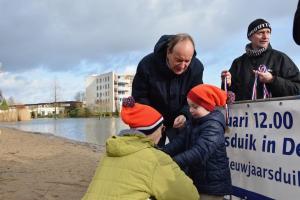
(104, 92)
(49, 109)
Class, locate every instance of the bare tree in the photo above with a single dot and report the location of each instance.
(55, 96)
(1, 97)
(11, 101)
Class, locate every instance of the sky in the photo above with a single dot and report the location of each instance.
(48, 43)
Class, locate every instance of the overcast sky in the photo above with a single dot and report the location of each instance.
(66, 40)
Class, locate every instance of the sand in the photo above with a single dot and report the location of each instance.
(37, 166)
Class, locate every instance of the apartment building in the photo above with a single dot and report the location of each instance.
(104, 92)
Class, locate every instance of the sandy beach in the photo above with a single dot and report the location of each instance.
(37, 166)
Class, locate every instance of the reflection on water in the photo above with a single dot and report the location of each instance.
(91, 130)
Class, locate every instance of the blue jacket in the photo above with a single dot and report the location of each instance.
(201, 153)
(296, 27)
(156, 85)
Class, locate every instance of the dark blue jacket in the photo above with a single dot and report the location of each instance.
(201, 153)
(156, 85)
(296, 27)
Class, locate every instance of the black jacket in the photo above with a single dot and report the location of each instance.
(286, 75)
(201, 153)
(296, 28)
(156, 85)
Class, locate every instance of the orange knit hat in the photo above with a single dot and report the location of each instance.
(141, 117)
(207, 96)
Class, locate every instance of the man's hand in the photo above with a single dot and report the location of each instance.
(226, 74)
(179, 121)
(264, 77)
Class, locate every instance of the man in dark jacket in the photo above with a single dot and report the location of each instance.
(164, 77)
(262, 71)
(296, 28)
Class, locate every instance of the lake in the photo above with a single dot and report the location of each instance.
(92, 130)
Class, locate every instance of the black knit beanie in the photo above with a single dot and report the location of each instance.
(256, 25)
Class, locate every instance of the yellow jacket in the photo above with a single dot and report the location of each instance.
(133, 169)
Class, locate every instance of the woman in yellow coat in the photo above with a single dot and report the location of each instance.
(133, 169)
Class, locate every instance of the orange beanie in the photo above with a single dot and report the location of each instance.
(207, 96)
(141, 117)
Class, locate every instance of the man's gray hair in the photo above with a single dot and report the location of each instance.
(178, 38)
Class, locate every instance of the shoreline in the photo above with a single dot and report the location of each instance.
(44, 166)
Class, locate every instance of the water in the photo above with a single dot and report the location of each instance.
(92, 130)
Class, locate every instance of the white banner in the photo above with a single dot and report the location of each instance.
(263, 146)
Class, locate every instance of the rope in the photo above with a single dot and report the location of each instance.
(226, 105)
(267, 94)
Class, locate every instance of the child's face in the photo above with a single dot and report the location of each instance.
(196, 110)
(156, 135)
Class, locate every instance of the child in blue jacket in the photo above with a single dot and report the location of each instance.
(201, 151)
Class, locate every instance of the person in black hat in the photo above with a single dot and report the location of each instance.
(262, 72)
(296, 28)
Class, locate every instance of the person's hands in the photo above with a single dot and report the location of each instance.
(264, 77)
(226, 74)
(179, 121)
